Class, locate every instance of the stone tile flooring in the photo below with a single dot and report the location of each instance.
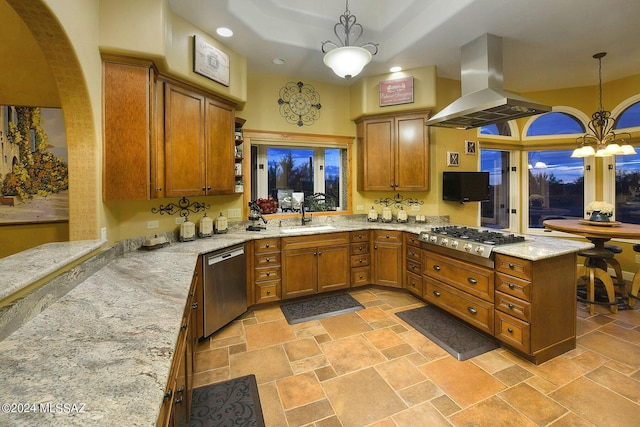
(368, 368)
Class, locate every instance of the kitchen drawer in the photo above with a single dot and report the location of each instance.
(513, 332)
(411, 239)
(387, 236)
(267, 245)
(360, 260)
(413, 283)
(268, 291)
(360, 276)
(314, 240)
(263, 260)
(513, 286)
(513, 306)
(414, 253)
(360, 248)
(267, 273)
(476, 280)
(472, 310)
(360, 236)
(514, 266)
(414, 266)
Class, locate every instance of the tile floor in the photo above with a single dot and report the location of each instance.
(368, 368)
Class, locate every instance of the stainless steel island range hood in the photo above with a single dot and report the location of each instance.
(483, 100)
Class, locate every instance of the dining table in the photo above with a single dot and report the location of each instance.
(599, 233)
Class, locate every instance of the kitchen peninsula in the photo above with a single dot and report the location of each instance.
(107, 345)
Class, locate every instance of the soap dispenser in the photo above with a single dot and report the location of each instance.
(205, 226)
(221, 224)
(187, 230)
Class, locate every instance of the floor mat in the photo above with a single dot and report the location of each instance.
(319, 308)
(231, 403)
(453, 335)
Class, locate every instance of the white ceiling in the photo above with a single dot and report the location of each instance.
(547, 44)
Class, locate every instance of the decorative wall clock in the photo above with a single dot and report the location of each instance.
(299, 104)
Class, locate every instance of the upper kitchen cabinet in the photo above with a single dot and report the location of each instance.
(393, 152)
(163, 138)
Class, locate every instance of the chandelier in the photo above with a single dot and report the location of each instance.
(344, 59)
(600, 140)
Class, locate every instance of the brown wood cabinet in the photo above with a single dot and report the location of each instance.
(387, 258)
(317, 263)
(393, 152)
(163, 138)
(413, 262)
(267, 271)
(360, 258)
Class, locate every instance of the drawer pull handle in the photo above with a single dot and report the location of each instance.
(179, 400)
(359, 248)
(511, 266)
(436, 267)
(266, 246)
(436, 293)
(360, 260)
(268, 292)
(268, 260)
(510, 330)
(472, 280)
(268, 273)
(315, 253)
(412, 253)
(510, 306)
(472, 310)
(361, 277)
(387, 236)
(194, 305)
(168, 394)
(184, 327)
(319, 253)
(511, 286)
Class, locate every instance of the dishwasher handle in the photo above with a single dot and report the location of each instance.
(223, 256)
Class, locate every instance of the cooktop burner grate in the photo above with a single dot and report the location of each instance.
(470, 240)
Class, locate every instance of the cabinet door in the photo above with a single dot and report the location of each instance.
(387, 264)
(299, 272)
(412, 154)
(185, 160)
(127, 109)
(376, 155)
(334, 268)
(220, 150)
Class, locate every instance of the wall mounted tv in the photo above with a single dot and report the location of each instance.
(465, 186)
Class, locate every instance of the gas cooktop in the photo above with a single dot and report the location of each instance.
(470, 240)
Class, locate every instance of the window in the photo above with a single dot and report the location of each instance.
(555, 123)
(630, 117)
(627, 172)
(292, 173)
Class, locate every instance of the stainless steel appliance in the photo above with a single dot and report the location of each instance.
(224, 287)
(468, 243)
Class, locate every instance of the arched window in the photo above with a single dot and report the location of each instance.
(629, 118)
(555, 123)
(496, 129)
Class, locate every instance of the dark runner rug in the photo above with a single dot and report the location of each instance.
(453, 335)
(231, 403)
(318, 308)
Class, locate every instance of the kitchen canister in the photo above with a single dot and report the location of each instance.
(387, 216)
(373, 214)
(402, 215)
(221, 224)
(187, 230)
(205, 226)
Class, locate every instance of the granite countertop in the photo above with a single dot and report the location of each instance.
(102, 352)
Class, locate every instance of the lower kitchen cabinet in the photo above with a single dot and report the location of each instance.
(267, 270)
(360, 258)
(312, 264)
(413, 262)
(387, 258)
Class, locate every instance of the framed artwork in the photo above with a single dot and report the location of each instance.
(395, 92)
(35, 176)
(209, 61)
(470, 147)
(453, 158)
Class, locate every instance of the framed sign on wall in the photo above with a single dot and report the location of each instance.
(209, 61)
(398, 91)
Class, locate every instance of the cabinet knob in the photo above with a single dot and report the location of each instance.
(472, 280)
(266, 245)
(436, 293)
(268, 273)
(472, 310)
(268, 260)
(510, 306)
(315, 254)
(184, 327)
(179, 400)
(511, 286)
(375, 247)
(510, 330)
(361, 277)
(436, 267)
(268, 292)
(387, 236)
(360, 247)
(194, 305)
(511, 266)
(319, 253)
(158, 188)
(168, 394)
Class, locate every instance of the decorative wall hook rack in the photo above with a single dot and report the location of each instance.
(183, 207)
(398, 201)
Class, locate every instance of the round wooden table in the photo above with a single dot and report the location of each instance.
(599, 234)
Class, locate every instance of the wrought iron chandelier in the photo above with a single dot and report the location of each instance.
(600, 140)
(344, 59)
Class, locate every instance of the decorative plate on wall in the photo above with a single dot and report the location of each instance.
(299, 104)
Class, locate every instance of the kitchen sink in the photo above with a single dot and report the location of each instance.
(310, 228)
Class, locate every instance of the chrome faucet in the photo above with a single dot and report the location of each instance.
(304, 220)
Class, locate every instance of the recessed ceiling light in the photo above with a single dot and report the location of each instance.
(395, 69)
(224, 32)
(279, 60)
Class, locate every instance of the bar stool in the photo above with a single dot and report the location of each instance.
(613, 262)
(635, 284)
(591, 271)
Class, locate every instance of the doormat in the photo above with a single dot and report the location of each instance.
(453, 335)
(318, 308)
(231, 403)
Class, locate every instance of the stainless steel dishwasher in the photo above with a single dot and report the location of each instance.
(225, 288)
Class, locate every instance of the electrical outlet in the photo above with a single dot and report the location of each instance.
(103, 234)
(415, 208)
(360, 207)
(152, 224)
(637, 258)
(233, 213)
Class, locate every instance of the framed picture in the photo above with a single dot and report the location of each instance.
(470, 147)
(209, 61)
(453, 158)
(395, 92)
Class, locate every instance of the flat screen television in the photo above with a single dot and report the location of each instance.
(465, 186)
